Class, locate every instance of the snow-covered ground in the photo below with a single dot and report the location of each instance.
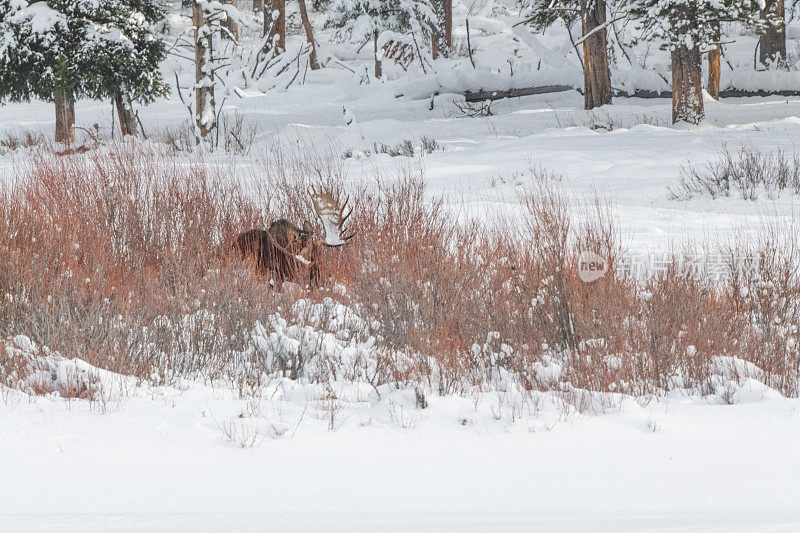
(288, 456)
(294, 456)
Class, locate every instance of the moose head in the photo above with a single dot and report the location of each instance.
(286, 251)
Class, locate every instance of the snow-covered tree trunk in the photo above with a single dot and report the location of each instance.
(312, 58)
(127, 118)
(205, 112)
(276, 26)
(229, 23)
(596, 73)
(65, 116)
(378, 65)
(687, 85)
(772, 44)
(258, 6)
(442, 37)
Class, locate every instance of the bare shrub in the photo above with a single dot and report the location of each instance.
(404, 148)
(121, 257)
(234, 135)
(766, 310)
(473, 109)
(747, 173)
(14, 140)
(602, 120)
(178, 139)
(430, 145)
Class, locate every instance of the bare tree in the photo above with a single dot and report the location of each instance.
(714, 65)
(309, 35)
(205, 105)
(275, 26)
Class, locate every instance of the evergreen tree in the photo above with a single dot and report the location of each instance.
(59, 50)
(359, 21)
(134, 76)
(687, 28)
(541, 14)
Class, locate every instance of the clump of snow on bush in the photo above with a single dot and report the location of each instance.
(34, 370)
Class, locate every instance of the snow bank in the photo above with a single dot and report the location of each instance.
(35, 370)
(761, 80)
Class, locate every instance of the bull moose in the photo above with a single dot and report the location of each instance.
(285, 251)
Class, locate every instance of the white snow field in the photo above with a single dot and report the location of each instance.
(293, 456)
(203, 458)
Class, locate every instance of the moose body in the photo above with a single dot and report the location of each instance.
(283, 251)
(286, 251)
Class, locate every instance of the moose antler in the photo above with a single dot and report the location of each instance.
(331, 215)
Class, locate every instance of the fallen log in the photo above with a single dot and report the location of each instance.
(727, 93)
(738, 93)
(482, 95)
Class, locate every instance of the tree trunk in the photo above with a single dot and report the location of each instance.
(378, 66)
(309, 36)
(442, 37)
(65, 116)
(229, 24)
(596, 74)
(687, 85)
(448, 24)
(714, 71)
(772, 44)
(258, 6)
(276, 27)
(714, 66)
(205, 113)
(127, 118)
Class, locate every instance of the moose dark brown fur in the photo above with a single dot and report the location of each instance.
(286, 252)
(269, 251)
